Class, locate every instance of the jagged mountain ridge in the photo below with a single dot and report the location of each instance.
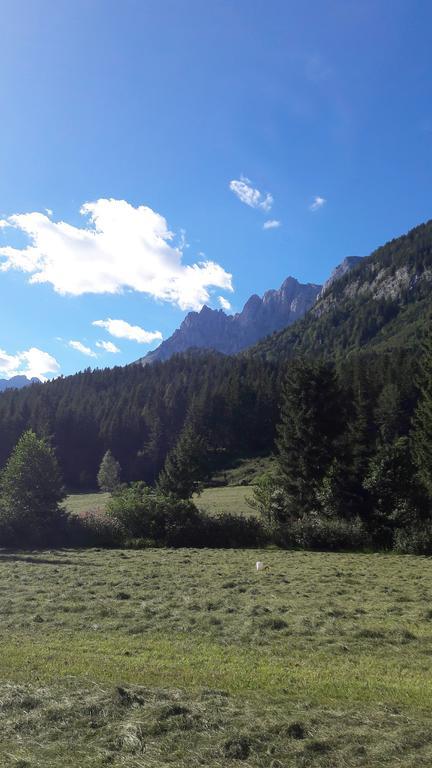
(383, 302)
(229, 334)
(17, 382)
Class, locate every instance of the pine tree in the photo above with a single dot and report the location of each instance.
(185, 466)
(311, 424)
(421, 436)
(31, 490)
(109, 473)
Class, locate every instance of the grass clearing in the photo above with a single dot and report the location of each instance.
(191, 657)
(230, 499)
(78, 503)
(212, 500)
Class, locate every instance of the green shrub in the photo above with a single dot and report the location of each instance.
(92, 529)
(145, 515)
(415, 540)
(323, 533)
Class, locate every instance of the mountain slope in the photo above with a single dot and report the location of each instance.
(384, 301)
(229, 334)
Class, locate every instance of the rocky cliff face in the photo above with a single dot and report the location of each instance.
(213, 329)
(345, 266)
(16, 382)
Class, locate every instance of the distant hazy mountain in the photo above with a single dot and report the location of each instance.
(213, 329)
(17, 382)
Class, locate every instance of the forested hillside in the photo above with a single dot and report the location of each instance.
(383, 303)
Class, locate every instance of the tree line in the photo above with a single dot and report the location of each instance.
(353, 444)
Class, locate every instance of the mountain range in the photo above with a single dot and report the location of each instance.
(17, 382)
(260, 317)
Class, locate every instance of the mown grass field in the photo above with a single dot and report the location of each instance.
(212, 500)
(192, 658)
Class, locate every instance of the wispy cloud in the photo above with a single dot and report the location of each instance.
(107, 346)
(79, 347)
(225, 304)
(120, 329)
(249, 195)
(317, 203)
(31, 362)
(120, 247)
(272, 224)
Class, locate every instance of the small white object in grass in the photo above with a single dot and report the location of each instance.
(259, 565)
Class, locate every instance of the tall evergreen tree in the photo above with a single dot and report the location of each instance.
(109, 473)
(31, 490)
(310, 427)
(421, 436)
(185, 466)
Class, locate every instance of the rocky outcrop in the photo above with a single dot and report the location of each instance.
(213, 329)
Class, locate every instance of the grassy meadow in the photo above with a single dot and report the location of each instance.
(192, 658)
(211, 500)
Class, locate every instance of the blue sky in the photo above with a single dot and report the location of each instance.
(185, 126)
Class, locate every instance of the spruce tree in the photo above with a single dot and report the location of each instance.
(31, 490)
(109, 473)
(308, 433)
(185, 466)
(421, 436)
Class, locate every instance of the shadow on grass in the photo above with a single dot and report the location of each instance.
(14, 557)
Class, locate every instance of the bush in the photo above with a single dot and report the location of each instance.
(232, 531)
(145, 515)
(323, 533)
(414, 541)
(92, 529)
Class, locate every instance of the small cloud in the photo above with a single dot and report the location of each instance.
(272, 224)
(317, 203)
(32, 362)
(82, 348)
(108, 346)
(250, 196)
(224, 303)
(123, 330)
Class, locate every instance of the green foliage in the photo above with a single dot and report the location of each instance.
(109, 473)
(308, 433)
(148, 515)
(268, 500)
(422, 423)
(31, 490)
(185, 466)
(395, 497)
(320, 532)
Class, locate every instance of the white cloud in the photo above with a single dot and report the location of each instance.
(248, 195)
(121, 247)
(272, 224)
(108, 346)
(123, 330)
(79, 347)
(224, 303)
(317, 203)
(31, 362)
